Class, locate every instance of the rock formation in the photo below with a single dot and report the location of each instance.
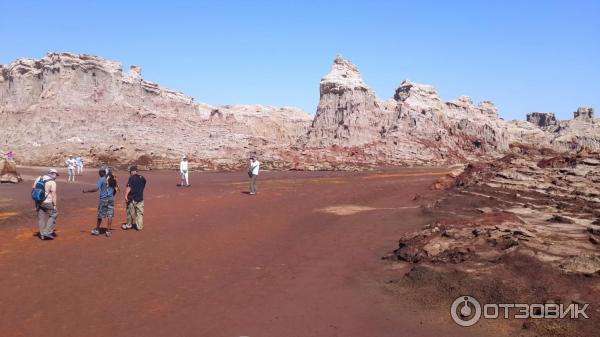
(80, 104)
(8, 172)
(542, 119)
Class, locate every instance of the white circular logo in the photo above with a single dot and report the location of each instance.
(465, 311)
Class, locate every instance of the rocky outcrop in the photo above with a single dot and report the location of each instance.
(80, 104)
(542, 119)
(584, 113)
(8, 172)
(417, 126)
(583, 131)
(523, 202)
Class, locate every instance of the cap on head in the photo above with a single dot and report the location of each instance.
(53, 171)
(133, 168)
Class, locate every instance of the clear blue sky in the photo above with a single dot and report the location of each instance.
(523, 55)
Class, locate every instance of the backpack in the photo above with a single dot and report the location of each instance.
(111, 181)
(38, 194)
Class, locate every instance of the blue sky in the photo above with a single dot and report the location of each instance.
(523, 55)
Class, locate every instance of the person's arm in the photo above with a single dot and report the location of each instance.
(54, 196)
(127, 190)
(95, 189)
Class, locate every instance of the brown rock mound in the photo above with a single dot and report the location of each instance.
(8, 172)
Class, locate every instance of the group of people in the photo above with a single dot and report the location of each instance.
(108, 188)
(74, 167)
(107, 185)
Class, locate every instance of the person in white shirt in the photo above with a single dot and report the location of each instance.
(71, 165)
(184, 173)
(79, 163)
(253, 173)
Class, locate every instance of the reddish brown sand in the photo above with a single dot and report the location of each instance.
(301, 258)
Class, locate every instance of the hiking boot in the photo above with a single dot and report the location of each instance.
(46, 237)
(108, 233)
(126, 226)
(95, 231)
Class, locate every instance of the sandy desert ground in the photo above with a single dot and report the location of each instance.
(302, 258)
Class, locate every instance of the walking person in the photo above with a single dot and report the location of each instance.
(45, 197)
(183, 172)
(79, 165)
(106, 204)
(253, 174)
(71, 169)
(134, 198)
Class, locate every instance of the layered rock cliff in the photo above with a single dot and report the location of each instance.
(80, 104)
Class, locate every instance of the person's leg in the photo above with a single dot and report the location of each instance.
(130, 210)
(253, 184)
(96, 230)
(51, 224)
(41, 213)
(109, 215)
(101, 214)
(187, 179)
(139, 211)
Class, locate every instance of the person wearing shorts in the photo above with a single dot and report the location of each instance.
(106, 204)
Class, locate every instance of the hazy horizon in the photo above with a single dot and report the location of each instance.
(525, 57)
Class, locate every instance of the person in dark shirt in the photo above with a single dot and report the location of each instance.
(134, 197)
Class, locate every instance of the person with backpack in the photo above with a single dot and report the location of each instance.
(45, 198)
(108, 187)
(134, 199)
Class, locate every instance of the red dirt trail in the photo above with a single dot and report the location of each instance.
(213, 261)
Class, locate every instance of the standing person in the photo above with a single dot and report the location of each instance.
(79, 165)
(183, 172)
(70, 169)
(44, 194)
(106, 204)
(253, 174)
(134, 198)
